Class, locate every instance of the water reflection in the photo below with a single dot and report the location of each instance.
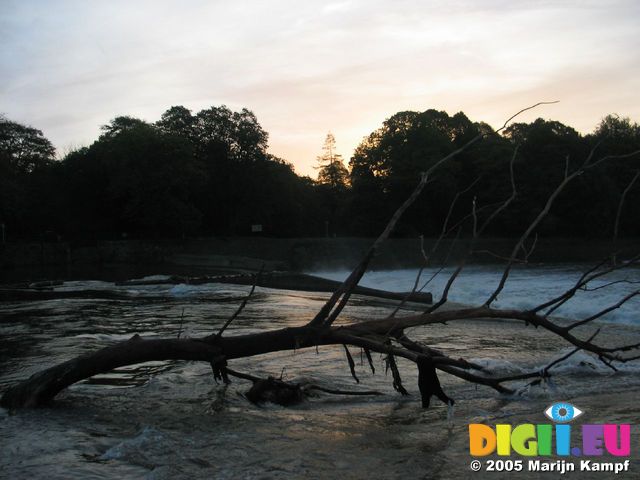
(170, 420)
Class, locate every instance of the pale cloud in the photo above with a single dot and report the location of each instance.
(309, 67)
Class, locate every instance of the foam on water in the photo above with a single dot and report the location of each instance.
(183, 289)
(497, 365)
(74, 285)
(526, 287)
(148, 438)
(149, 278)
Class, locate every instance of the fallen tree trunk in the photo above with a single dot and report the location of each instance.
(20, 294)
(276, 280)
(287, 281)
(43, 386)
(372, 335)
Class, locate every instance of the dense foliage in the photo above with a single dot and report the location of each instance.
(209, 173)
(386, 165)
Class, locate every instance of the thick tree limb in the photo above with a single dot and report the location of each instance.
(44, 386)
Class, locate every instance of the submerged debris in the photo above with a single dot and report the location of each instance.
(275, 391)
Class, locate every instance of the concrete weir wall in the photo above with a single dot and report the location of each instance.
(62, 253)
(245, 253)
(304, 254)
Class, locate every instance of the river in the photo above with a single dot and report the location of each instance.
(165, 420)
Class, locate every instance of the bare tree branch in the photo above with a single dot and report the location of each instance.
(588, 276)
(588, 164)
(242, 305)
(616, 224)
(328, 314)
(604, 311)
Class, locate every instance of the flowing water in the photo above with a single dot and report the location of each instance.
(164, 420)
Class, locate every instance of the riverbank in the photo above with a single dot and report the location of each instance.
(122, 259)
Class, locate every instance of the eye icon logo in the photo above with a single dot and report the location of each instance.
(562, 412)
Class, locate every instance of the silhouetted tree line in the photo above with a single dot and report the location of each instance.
(209, 173)
(388, 161)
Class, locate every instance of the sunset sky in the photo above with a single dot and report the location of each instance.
(309, 67)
